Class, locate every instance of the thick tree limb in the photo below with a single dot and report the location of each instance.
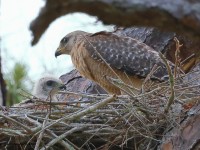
(187, 136)
(180, 16)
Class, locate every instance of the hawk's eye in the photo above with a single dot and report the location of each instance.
(64, 40)
(50, 83)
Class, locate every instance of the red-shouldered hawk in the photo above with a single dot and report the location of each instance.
(130, 59)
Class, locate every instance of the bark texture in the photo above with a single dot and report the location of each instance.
(187, 136)
(180, 16)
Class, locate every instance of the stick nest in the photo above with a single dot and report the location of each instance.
(101, 121)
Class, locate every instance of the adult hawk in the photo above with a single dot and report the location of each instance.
(103, 54)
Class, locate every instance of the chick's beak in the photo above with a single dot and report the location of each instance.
(62, 87)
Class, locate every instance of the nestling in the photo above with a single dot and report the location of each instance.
(47, 86)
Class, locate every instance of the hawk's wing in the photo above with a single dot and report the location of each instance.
(126, 54)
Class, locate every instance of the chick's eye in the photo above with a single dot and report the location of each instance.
(50, 83)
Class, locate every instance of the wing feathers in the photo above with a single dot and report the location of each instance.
(126, 54)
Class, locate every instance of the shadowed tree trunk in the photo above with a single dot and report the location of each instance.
(180, 16)
(2, 86)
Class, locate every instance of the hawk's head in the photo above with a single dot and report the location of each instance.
(67, 42)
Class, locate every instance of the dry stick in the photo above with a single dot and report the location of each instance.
(41, 133)
(153, 70)
(177, 56)
(103, 131)
(26, 96)
(139, 95)
(18, 123)
(79, 114)
(188, 58)
(50, 100)
(132, 85)
(51, 133)
(137, 115)
(50, 97)
(165, 82)
(62, 136)
(33, 98)
(125, 141)
(96, 96)
(11, 132)
(93, 134)
(66, 144)
(36, 129)
(8, 143)
(135, 129)
(148, 93)
(72, 146)
(32, 121)
(188, 87)
(58, 103)
(120, 83)
(128, 89)
(171, 82)
(36, 99)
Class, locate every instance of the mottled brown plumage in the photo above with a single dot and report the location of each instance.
(92, 54)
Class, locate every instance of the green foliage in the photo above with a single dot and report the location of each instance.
(15, 81)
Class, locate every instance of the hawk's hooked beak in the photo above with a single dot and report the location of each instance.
(58, 52)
